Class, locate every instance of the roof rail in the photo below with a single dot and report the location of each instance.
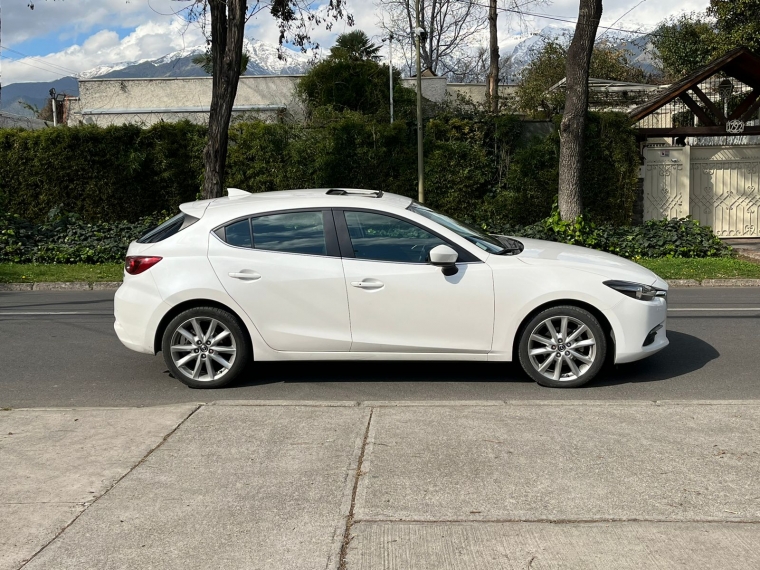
(345, 192)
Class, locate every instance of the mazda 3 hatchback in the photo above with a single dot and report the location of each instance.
(344, 274)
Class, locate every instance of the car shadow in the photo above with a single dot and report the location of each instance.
(685, 354)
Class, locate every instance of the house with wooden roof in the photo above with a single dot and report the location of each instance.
(700, 140)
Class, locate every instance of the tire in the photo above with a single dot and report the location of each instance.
(578, 363)
(197, 351)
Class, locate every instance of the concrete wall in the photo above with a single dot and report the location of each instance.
(148, 101)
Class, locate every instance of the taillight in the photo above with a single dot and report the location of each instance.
(136, 264)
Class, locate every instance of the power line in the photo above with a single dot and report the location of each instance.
(37, 59)
(29, 64)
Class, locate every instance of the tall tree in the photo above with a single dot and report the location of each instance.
(355, 45)
(737, 23)
(452, 26)
(573, 122)
(684, 43)
(493, 56)
(295, 19)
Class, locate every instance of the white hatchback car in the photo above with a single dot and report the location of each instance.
(332, 274)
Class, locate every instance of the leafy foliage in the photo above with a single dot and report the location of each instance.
(355, 45)
(684, 43)
(101, 174)
(674, 238)
(66, 238)
(547, 68)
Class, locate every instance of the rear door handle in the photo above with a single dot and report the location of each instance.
(368, 284)
(246, 275)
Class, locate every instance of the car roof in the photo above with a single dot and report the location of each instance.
(243, 203)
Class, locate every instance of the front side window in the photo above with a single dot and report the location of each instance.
(481, 239)
(293, 232)
(385, 238)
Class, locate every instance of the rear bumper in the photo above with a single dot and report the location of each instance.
(138, 309)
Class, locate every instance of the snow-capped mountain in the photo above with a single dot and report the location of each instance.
(263, 60)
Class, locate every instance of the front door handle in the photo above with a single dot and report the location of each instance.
(246, 275)
(368, 284)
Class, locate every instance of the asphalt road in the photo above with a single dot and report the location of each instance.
(56, 359)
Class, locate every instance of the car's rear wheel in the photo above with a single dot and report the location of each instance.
(562, 347)
(205, 347)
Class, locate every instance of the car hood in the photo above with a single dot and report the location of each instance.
(540, 252)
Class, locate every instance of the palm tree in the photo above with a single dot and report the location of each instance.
(355, 45)
(204, 60)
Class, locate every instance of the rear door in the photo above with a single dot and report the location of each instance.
(399, 302)
(284, 269)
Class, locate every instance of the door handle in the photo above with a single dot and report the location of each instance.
(246, 276)
(368, 284)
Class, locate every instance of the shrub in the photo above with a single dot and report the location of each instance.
(677, 237)
(66, 238)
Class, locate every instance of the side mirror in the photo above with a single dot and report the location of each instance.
(445, 257)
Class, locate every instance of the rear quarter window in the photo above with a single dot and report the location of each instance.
(169, 228)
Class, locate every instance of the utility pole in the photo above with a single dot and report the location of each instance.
(390, 65)
(420, 157)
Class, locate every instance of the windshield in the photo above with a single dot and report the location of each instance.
(480, 239)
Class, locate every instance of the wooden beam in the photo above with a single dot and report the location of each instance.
(703, 117)
(745, 105)
(712, 107)
(719, 131)
(751, 111)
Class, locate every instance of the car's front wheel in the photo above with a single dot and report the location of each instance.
(205, 347)
(562, 347)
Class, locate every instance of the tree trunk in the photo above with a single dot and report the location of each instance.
(227, 27)
(493, 68)
(576, 106)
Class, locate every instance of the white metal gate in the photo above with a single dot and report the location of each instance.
(719, 186)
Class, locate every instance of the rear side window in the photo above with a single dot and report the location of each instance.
(238, 234)
(168, 228)
(293, 232)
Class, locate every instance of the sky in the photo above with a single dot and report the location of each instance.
(64, 37)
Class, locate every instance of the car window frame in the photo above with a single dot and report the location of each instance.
(347, 248)
(328, 222)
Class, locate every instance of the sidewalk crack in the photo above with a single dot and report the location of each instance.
(350, 519)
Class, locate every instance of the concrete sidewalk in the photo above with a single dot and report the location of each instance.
(376, 485)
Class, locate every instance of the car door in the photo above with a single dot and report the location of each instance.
(398, 302)
(284, 270)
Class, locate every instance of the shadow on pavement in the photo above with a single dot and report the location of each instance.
(685, 354)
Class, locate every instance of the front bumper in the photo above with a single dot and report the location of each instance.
(637, 319)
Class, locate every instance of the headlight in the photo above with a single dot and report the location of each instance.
(637, 290)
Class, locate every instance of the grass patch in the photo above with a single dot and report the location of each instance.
(702, 268)
(37, 273)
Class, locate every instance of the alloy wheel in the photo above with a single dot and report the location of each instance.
(562, 348)
(203, 349)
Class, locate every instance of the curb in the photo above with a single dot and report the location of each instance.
(62, 286)
(113, 285)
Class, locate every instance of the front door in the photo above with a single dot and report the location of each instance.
(399, 302)
(284, 270)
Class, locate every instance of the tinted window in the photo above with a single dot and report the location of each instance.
(296, 232)
(482, 240)
(238, 234)
(168, 228)
(384, 238)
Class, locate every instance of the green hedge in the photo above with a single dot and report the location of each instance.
(101, 174)
(478, 167)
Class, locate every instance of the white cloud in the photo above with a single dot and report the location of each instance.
(149, 41)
